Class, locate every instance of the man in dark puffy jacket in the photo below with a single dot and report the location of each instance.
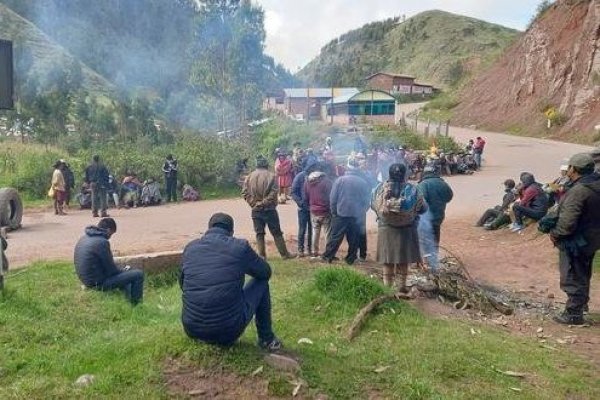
(577, 235)
(217, 306)
(96, 176)
(304, 224)
(437, 194)
(96, 268)
(533, 202)
(260, 192)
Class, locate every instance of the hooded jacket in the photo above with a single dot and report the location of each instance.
(437, 194)
(93, 258)
(317, 190)
(579, 213)
(212, 281)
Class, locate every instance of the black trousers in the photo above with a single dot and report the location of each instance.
(340, 227)
(437, 233)
(575, 277)
(488, 216)
(264, 218)
(521, 212)
(171, 188)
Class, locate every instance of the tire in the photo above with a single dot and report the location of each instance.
(11, 208)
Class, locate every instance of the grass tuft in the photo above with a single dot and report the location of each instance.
(345, 285)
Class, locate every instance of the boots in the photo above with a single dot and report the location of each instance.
(260, 246)
(280, 244)
(401, 276)
(388, 275)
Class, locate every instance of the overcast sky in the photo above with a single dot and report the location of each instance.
(297, 29)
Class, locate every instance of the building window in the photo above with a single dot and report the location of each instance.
(375, 108)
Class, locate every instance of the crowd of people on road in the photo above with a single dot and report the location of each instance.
(100, 189)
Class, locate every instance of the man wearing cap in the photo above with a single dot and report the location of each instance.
(437, 194)
(217, 307)
(260, 192)
(577, 235)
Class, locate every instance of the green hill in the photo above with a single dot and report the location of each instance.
(38, 58)
(435, 46)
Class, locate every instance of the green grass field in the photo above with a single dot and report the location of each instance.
(52, 332)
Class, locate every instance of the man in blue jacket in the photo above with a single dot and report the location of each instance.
(217, 307)
(304, 225)
(349, 202)
(437, 194)
(96, 268)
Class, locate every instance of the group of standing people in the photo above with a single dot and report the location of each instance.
(99, 186)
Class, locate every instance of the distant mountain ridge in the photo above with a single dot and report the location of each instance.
(436, 47)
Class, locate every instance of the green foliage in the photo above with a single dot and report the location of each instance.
(52, 332)
(434, 46)
(345, 285)
(440, 108)
(540, 11)
(280, 133)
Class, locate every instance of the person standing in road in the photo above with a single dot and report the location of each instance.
(304, 223)
(170, 170)
(577, 235)
(96, 176)
(437, 194)
(58, 188)
(317, 190)
(478, 150)
(69, 182)
(260, 192)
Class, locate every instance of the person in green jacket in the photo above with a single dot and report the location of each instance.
(437, 194)
(577, 236)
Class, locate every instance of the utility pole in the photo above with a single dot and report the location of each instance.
(332, 105)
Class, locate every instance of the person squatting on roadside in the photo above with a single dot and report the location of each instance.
(349, 202)
(437, 194)
(304, 223)
(217, 307)
(170, 170)
(96, 268)
(260, 192)
(494, 218)
(96, 176)
(533, 202)
(317, 190)
(398, 205)
(577, 236)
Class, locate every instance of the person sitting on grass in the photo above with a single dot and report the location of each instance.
(217, 307)
(96, 268)
(494, 218)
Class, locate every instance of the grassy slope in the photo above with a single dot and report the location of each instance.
(46, 54)
(427, 46)
(51, 332)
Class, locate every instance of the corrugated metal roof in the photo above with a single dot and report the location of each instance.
(348, 97)
(319, 92)
(390, 74)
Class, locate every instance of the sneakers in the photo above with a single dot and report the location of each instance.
(271, 346)
(516, 227)
(569, 319)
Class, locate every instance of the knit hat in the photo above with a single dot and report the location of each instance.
(582, 160)
(261, 162)
(221, 220)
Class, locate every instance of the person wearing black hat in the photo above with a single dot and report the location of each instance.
(494, 218)
(217, 307)
(260, 192)
(577, 235)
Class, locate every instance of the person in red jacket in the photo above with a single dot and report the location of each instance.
(533, 202)
(478, 150)
(284, 168)
(317, 189)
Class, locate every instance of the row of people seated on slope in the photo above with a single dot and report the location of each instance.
(528, 199)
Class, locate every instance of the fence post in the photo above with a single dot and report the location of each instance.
(428, 127)
(447, 128)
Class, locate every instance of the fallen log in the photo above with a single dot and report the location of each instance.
(364, 312)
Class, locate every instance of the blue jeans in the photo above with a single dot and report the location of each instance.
(477, 158)
(258, 305)
(304, 229)
(131, 282)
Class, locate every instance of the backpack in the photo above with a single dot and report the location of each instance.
(397, 212)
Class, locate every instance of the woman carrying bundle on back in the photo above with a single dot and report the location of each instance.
(398, 205)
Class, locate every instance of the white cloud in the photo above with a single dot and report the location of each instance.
(297, 29)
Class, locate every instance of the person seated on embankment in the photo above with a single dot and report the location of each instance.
(96, 267)
(217, 307)
(494, 218)
(533, 202)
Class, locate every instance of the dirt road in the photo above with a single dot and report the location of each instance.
(49, 237)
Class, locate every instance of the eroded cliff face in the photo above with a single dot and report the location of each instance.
(556, 63)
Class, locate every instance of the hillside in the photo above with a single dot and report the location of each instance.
(435, 46)
(38, 57)
(555, 66)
